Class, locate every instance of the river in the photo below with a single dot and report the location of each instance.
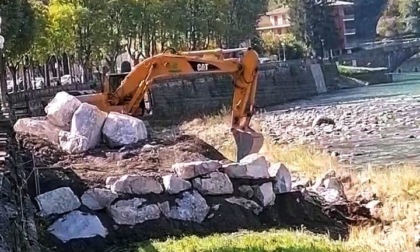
(376, 125)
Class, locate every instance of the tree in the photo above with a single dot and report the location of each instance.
(409, 15)
(390, 25)
(19, 31)
(273, 44)
(313, 23)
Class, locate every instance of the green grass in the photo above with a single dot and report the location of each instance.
(348, 70)
(268, 241)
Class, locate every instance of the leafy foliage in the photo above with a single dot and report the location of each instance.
(293, 48)
(313, 23)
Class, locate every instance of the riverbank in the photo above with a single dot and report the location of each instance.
(395, 187)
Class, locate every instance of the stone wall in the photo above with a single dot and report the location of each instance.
(199, 198)
(174, 98)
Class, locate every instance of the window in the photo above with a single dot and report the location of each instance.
(275, 20)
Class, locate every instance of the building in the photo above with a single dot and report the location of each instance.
(277, 21)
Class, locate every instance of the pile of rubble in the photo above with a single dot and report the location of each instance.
(199, 197)
(78, 127)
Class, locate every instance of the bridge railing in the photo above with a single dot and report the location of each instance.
(23, 96)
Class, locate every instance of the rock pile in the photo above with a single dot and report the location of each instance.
(78, 127)
(202, 195)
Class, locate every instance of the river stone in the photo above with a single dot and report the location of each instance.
(131, 212)
(282, 176)
(174, 185)
(136, 184)
(61, 108)
(195, 169)
(77, 225)
(253, 166)
(58, 201)
(247, 204)
(190, 207)
(319, 120)
(216, 183)
(120, 130)
(87, 121)
(265, 194)
(98, 198)
(72, 144)
(38, 126)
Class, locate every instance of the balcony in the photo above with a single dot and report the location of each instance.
(349, 17)
(348, 32)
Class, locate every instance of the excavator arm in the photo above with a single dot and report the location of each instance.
(128, 96)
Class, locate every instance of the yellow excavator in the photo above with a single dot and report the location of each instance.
(129, 96)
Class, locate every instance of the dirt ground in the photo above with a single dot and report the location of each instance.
(154, 158)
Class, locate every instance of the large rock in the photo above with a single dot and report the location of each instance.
(132, 212)
(38, 126)
(245, 203)
(253, 166)
(72, 144)
(265, 194)
(195, 169)
(88, 121)
(61, 108)
(191, 207)
(77, 225)
(58, 201)
(174, 185)
(136, 184)
(98, 198)
(120, 130)
(282, 176)
(216, 183)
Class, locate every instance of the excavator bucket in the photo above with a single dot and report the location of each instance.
(247, 142)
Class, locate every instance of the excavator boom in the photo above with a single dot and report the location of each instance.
(131, 92)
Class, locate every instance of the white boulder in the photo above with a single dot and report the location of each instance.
(174, 185)
(191, 207)
(38, 126)
(120, 130)
(88, 121)
(216, 183)
(98, 198)
(265, 194)
(136, 184)
(58, 201)
(61, 108)
(77, 225)
(253, 166)
(132, 212)
(282, 176)
(72, 143)
(195, 169)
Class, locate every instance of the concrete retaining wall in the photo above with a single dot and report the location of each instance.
(176, 99)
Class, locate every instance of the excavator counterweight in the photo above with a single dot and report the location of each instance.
(129, 96)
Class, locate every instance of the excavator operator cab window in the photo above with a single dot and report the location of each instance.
(115, 80)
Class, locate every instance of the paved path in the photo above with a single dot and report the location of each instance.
(377, 125)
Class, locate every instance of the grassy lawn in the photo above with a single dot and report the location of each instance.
(273, 240)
